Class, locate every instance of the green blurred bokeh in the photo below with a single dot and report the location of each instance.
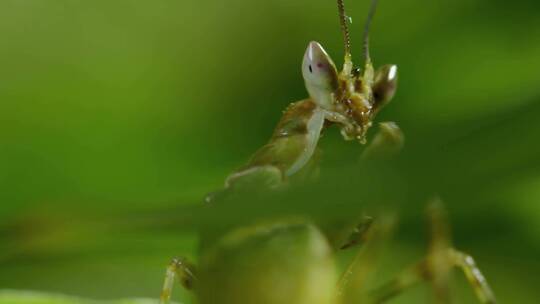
(116, 114)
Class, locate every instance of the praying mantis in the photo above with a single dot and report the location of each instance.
(291, 261)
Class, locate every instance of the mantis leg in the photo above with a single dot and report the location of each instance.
(358, 234)
(474, 276)
(352, 285)
(436, 267)
(183, 271)
(421, 272)
(265, 176)
(311, 170)
(401, 282)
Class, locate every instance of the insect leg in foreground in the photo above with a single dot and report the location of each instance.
(352, 284)
(436, 267)
(180, 269)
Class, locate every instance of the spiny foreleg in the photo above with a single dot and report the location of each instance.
(352, 285)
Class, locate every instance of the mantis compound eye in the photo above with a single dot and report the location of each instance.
(320, 74)
(385, 85)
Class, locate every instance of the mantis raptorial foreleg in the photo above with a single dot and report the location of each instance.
(311, 170)
(266, 177)
(179, 269)
(436, 267)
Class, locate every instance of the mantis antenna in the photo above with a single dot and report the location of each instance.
(367, 26)
(343, 19)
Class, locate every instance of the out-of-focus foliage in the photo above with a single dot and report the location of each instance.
(117, 117)
(18, 297)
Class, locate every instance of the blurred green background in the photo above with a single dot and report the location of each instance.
(117, 116)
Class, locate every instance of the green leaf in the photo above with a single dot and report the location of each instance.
(33, 297)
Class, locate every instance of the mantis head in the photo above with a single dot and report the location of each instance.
(320, 75)
(354, 96)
